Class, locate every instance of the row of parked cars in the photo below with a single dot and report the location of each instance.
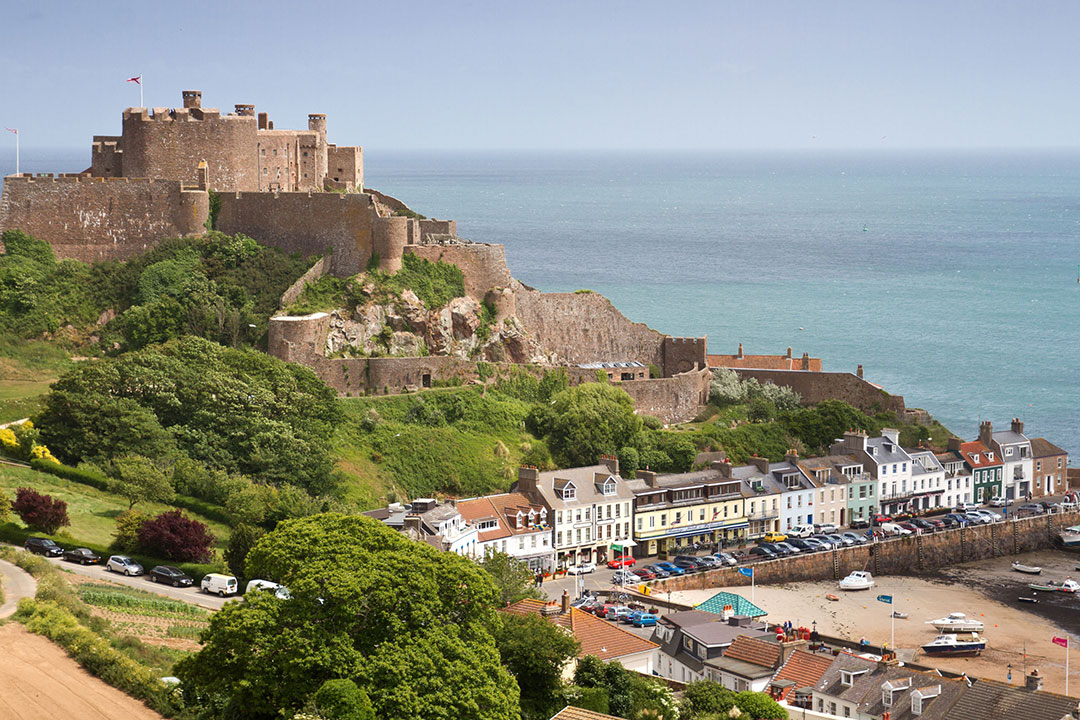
(617, 612)
(212, 583)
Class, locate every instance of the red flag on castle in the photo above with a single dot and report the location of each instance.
(138, 81)
(16, 131)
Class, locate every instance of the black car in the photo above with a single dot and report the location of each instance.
(688, 565)
(1031, 509)
(43, 546)
(801, 544)
(924, 525)
(83, 556)
(762, 553)
(657, 571)
(860, 524)
(169, 574)
(778, 549)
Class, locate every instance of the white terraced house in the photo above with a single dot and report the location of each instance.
(887, 462)
(510, 524)
(1014, 449)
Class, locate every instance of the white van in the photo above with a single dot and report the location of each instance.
(217, 584)
(801, 531)
(280, 591)
(893, 529)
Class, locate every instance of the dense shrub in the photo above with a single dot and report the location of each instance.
(40, 512)
(174, 536)
(242, 538)
(343, 700)
(126, 534)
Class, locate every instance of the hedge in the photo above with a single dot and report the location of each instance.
(11, 533)
(94, 653)
(208, 510)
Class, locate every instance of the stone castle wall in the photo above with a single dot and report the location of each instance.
(316, 271)
(310, 223)
(93, 219)
(815, 387)
(484, 265)
(674, 399)
(911, 555)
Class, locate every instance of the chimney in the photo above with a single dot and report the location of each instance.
(740, 350)
(412, 522)
(954, 444)
(1033, 680)
(792, 456)
(528, 481)
(789, 353)
(565, 604)
(648, 476)
(986, 433)
(858, 371)
(193, 98)
(264, 120)
(245, 110)
(761, 463)
(612, 463)
(806, 361)
(721, 466)
(1017, 426)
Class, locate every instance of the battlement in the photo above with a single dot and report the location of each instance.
(180, 114)
(86, 178)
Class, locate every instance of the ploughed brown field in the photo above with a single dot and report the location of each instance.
(40, 682)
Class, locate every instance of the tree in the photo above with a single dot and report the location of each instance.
(629, 461)
(706, 696)
(126, 534)
(343, 700)
(412, 626)
(589, 420)
(592, 672)
(536, 651)
(759, 706)
(242, 538)
(40, 512)
(175, 536)
(512, 578)
(760, 410)
(137, 479)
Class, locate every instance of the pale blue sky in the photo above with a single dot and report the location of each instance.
(620, 74)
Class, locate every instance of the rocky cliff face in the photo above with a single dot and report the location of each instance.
(404, 327)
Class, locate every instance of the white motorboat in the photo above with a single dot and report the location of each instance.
(858, 580)
(1029, 569)
(956, 622)
(951, 645)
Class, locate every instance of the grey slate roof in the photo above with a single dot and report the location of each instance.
(993, 699)
(1008, 437)
(885, 451)
(750, 671)
(866, 690)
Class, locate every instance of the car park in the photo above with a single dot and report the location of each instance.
(171, 575)
(220, 585)
(670, 568)
(124, 565)
(773, 536)
(642, 619)
(43, 546)
(83, 556)
(856, 538)
(581, 568)
(621, 562)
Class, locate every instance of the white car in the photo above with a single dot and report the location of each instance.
(218, 584)
(624, 577)
(1067, 505)
(993, 516)
(894, 529)
(581, 568)
(965, 507)
(998, 501)
(280, 591)
(123, 564)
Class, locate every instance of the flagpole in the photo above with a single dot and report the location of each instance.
(16, 152)
(753, 574)
(892, 629)
(1067, 643)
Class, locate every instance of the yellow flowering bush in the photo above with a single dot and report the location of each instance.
(40, 452)
(8, 443)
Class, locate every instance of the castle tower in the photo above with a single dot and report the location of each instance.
(316, 122)
(244, 110)
(193, 98)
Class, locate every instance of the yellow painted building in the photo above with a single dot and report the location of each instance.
(673, 511)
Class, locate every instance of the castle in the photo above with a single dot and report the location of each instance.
(177, 171)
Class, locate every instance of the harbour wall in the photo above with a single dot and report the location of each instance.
(911, 555)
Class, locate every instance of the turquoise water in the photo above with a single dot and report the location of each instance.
(961, 292)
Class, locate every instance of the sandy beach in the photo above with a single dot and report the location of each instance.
(1016, 633)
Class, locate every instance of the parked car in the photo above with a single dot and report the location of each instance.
(600, 609)
(923, 525)
(966, 507)
(827, 541)
(670, 568)
(645, 574)
(726, 558)
(621, 562)
(910, 527)
(642, 619)
(788, 548)
(805, 544)
(977, 518)
(657, 571)
(282, 593)
(123, 564)
(611, 612)
(1067, 505)
(994, 517)
(762, 553)
(936, 523)
(581, 568)
(690, 558)
(709, 561)
(622, 614)
(218, 584)
(1031, 509)
(894, 529)
(43, 546)
(998, 501)
(688, 565)
(856, 538)
(83, 556)
(171, 575)
(773, 536)
(825, 529)
(839, 537)
(860, 524)
(801, 531)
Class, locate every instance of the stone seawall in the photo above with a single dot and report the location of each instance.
(911, 555)
(814, 387)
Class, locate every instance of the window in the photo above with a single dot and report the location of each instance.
(569, 492)
(588, 534)
(558, 538)
(521, 543)
(586, 514)
(886, 697)
(618, 510)
(832, 708)
(678, 518)
(579, 536)
(1038, 465)
(701, 515)
(903, 467)
(608, 512)
(639, 524)
(652, 521)
(1008, 452)
(663, 520)
(577, 516)
(558, 517)
(1059, 463)
(847, 711)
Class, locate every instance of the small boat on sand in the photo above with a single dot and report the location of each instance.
(956, 622)
(1069, 538)
(951, 645)
(1028, 599)
(899, 615)
(1068, 585)
(832, 597)
(858, 580)
(1029, 569)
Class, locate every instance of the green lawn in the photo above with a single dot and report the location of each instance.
(92, 512)
(27, 368)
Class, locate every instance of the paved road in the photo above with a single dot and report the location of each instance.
(17, 584)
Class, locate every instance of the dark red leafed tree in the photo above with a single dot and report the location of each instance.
(40, 512)
(174, 536)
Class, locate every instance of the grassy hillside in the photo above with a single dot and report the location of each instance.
(27, 368)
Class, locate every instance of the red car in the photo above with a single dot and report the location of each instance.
(915, 529)
(645, 574)
(621, 562)
(878, 519)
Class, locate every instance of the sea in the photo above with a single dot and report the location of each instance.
(951, 276)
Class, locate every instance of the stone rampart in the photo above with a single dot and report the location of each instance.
(309, 223)
(91, 219)
(316, 271)
(298, 338)
(390, 235)
(575, 328)
(683, 355)
(484, 265)
(674, 399)
(911, 555)
(814, 387)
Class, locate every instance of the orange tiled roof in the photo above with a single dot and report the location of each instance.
(804, 669)
(975, 448)
(498, 507)
(575, 713)
(598, 637)
(759, 652)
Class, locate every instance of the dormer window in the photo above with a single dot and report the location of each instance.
(975, 458)
(568, 492)
(886, 697)
(608, 487)
(848, 677)
(1008, 452)
(922, 695)
(990, 456)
